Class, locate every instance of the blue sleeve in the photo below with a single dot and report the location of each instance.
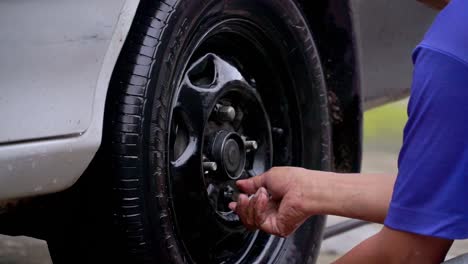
(431, 191)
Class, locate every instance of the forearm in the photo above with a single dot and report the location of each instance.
(360, 196)
(369, 251)
(391, 246)
(367, 197)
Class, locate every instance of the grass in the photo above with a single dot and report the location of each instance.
(386, 122)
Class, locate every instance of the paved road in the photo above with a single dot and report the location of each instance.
(23, 250)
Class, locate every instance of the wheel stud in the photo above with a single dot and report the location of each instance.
(210, 166)
(277, 131)
(229, 192)
(251, 145)
(226, 113)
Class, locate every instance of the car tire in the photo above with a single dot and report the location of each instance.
(185, 68)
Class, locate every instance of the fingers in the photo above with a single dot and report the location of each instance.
(252, 211)
(251, 185)
(232, 206)
(260, 212)
(242, 209)
(254, 207)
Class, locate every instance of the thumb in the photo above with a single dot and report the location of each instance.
(251, 185)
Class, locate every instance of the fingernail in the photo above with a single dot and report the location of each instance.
(266, 193)
(232, 206)
(243, 196)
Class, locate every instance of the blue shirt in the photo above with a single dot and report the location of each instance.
(431, 191)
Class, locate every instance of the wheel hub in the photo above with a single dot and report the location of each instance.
(220, 120)
(237, 145)
(228, 150)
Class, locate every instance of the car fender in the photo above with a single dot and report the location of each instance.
(53, 160)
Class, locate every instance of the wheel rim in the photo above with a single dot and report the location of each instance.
(221, 132)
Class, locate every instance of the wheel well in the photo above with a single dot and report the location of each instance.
(331, 24)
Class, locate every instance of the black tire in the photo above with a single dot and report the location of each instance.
(165, 38)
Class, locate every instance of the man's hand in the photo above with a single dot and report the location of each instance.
(436, 4)
(283, 198)
(278, 205)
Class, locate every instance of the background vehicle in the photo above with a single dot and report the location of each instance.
(149, 110)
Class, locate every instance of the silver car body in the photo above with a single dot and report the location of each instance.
(57, 58)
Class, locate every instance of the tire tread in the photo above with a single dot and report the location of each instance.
(132, 79)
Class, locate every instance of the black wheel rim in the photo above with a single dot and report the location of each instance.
(231, 119)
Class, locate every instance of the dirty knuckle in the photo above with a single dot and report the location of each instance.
(259, 220)
(246, 220)
(284, 232)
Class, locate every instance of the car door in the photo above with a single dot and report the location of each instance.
(387, 32)
(51, 54)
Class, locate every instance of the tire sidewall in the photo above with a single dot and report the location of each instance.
(185, 25)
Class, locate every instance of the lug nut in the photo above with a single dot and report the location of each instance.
(228, 192)
(210, 166)
(251, 144)
(277, 131)
(226, 113)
